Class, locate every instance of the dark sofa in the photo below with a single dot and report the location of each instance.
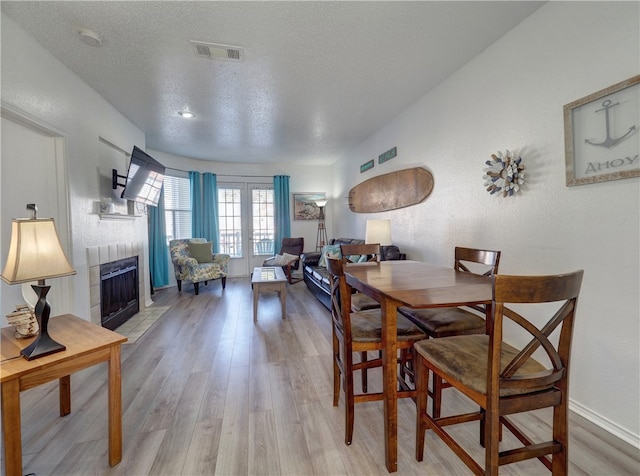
(317, 278)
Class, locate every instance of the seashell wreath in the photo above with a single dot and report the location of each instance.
(504, 174)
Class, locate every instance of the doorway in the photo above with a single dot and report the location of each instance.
(245, 215)
(33, 171)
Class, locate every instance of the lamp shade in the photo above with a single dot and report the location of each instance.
(35, 252)
(378, 231)
(321, 203)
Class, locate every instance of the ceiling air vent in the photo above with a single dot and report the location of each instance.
(216, 51)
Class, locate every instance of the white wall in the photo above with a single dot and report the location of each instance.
(511, 97)
(37, 85)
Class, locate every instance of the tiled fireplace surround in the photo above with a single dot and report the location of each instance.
(97, 255)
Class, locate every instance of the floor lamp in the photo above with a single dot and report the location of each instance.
(321, 238)
(35, 254)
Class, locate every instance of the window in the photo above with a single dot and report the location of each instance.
(177, 206)
(230, 221)
(262, 216)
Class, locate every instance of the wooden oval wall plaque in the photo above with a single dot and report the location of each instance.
(390, 191)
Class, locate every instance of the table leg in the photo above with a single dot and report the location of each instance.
(283, 299)
(255, 301)
(11, 430)
(115, 407)
(390, 382)
(65, 395)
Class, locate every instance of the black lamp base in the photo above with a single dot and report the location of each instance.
(43, 345)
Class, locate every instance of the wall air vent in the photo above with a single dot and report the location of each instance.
(216, 51)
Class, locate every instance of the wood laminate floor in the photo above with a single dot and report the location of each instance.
(206, 391)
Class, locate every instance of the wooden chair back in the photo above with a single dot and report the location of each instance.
(372, 251)
(533, 290)
(340, 298)
(488, 258)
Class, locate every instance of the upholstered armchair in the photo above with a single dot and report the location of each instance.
(289, 257)
(194, 262)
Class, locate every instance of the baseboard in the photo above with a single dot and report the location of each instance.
(606, 424)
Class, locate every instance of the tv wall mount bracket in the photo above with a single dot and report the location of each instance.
(114, 179)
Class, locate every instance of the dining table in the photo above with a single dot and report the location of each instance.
(416, 285)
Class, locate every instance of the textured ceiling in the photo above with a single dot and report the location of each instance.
(315, 80)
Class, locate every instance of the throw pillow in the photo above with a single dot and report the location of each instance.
(329, 251)
(201, 252)
(283, 259)
(357, 258)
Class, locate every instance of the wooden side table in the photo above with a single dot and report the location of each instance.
(269, 280)
(87, 345)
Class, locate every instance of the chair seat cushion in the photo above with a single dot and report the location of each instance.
(366, 326)
(362, 302)
(465, 359)
(445, 321)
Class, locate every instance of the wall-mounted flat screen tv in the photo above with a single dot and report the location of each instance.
(144, 178)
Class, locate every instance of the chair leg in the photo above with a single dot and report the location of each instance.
(348, 397)
(196, 287)
(492, 440)
(224, 282)
(336, 369)
(421, 376)
(437, 396)
(363, 372)
(179, 285)
(560, 461)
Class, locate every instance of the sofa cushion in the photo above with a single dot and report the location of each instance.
(346, 241)
(357, 258)
(201, 252)
(329, 251)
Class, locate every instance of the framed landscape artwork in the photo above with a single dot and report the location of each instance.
(304, 205)
(602, 134)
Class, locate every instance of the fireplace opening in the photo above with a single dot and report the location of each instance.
(118, 291)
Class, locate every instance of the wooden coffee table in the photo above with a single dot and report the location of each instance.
(270, 279)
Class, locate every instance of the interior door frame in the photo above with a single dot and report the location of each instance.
(62, 292)
(243, 266)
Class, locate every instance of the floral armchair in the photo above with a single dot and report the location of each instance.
(194, 262)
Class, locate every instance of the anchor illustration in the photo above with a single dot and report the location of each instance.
(609, 141)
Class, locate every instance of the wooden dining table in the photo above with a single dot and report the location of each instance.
(416, 285)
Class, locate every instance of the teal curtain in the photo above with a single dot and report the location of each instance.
(281, 213)
(197, 229)
(210, 210)
(158, 249)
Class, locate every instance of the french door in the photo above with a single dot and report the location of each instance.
(245, 219)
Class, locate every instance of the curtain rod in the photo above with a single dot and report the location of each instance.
(226, 175)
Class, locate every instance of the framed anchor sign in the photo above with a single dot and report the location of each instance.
(602, 134)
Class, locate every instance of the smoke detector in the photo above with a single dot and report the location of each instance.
(90, 38)
(217, 51)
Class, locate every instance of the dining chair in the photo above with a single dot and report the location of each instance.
(359, 253)
(503, 379)
(358, 332)
(451, 321)
(363, 253)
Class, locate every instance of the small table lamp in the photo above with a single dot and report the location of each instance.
(378, 231)
(35, 253)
